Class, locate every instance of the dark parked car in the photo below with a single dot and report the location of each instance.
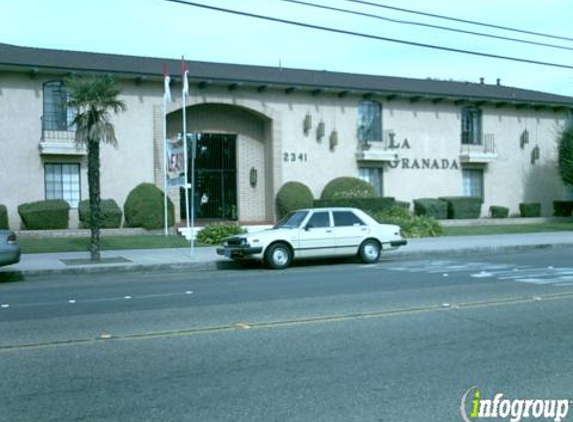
(9, 249)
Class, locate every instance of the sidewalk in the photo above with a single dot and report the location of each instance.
(206, 259)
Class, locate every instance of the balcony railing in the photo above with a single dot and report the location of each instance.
(483, 152)
(59, 140)
(383, 150)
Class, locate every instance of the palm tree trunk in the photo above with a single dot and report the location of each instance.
(95, 196)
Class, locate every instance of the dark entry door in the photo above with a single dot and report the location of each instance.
(215, 176)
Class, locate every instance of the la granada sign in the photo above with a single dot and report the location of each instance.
(418, 163)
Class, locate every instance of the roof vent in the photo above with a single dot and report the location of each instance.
(498, 81)
(481, 80)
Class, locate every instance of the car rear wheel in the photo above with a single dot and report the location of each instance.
(369, 251)
(278, 256)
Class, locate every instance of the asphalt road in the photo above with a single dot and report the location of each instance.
(401, 340)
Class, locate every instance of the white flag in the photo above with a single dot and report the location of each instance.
(166, 82)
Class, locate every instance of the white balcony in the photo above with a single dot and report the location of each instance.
(482, 153)
(384, 150)
(58, 142)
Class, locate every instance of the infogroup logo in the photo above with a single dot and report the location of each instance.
(474, 407)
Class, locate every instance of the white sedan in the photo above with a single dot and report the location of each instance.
(316, 233)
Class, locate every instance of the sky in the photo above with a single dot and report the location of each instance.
(159, 28)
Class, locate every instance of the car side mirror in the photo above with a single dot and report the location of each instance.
(308, 227)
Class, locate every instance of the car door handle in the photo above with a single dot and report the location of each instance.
(329, 231)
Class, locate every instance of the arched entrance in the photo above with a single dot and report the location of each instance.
(234, 170)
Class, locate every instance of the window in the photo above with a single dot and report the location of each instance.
(346, 218)
(471, 126)
(62, 181)
(57, 115)
(369, 121)
(372, 175)
(473, 182)
(319, 219)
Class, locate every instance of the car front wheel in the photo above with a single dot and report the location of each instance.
(369, 251)
(278, 256)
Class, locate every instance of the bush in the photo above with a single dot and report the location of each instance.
(530, 209)
(144, 208)
(110, 214)
(45, 215)
(565, 155)
(411, 225)
(431, 207)
(461, 207)
(498, 212)
(213, 234)
(369, 205)
(402, 204)
(348, 187)
(293, 196)
(3, 217)
(562, 208)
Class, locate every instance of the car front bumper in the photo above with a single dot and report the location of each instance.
(238, 252)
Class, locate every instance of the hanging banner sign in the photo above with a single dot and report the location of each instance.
(175, 151)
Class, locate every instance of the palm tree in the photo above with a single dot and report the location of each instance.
(94, 98)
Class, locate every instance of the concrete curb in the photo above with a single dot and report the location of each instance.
(230, 265)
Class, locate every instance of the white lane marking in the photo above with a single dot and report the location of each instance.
(72, 301)
(188, 292)
(4, 305)
(127, 297)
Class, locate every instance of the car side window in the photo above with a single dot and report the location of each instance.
(319, 219)
(346, 218)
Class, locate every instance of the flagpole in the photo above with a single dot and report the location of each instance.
(183, 100)
(165, 219)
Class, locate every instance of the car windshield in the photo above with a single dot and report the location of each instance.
(292, 220)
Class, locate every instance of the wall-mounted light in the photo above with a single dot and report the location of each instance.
(524, 138)
(535, 154)
(320, 130)
(333, 140)
(307, 123)
(253, 177)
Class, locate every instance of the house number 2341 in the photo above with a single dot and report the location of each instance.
(293, 157)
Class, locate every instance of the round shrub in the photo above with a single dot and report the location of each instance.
(213, 234)
(110, 213)
(293, 196)
(347, 187)
(144, 208)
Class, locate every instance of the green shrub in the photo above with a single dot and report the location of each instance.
(293, 196)
(110, 214)
(498, 212)
(530, 209)
(3, 217)
(431, 207)
(411, 225)
(213, 234)
(45, 215)
(402, 204)
(562, 208)
(348, 187)
(144, 208)
(369, 205)
(461, 207)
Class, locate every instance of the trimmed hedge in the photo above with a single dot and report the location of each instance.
(463, 207)
(530, 209)
(144, 208)
(110, 213)
(3, 217)
(431, 207)
(498, 212)
(562, 208)
(293, 196)
(402, 204)
(45, 215)
(411, 225)
(213, 234)
(346, 188)
(369, 205)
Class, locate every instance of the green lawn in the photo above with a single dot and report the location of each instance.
(75, 244)
(509, 229)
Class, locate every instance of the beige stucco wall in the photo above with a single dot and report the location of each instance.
(269, 126)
